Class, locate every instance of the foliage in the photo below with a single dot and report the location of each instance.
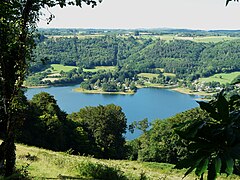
(100, 171)
(215, 139)
(105, 126)
(161, 143)
(44, 124)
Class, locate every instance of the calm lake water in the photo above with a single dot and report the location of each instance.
(151, 103)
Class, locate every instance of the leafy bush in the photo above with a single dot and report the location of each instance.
(100, 171)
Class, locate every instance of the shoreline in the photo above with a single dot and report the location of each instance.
(189, 92)
(34, 87)
(81, 90)
(173, 88)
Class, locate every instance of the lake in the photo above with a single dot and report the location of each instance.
(151, 103)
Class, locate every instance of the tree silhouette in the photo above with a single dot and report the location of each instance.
(227, 1)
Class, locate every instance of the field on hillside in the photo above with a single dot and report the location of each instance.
(204, 39)
(99, 68)
(57, 68)
(166, 37)
(45, 164)
(148, 75)
(152, 75)
(214, 39)
(222, 78)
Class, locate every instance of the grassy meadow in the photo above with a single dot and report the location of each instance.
(152, 75)
(57, 68)
(45, 164)
(148, 75)
(39, 163)
(222, 78)
(101, 68)
(203, 39)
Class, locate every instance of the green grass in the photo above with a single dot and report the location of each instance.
(204, 39)
(214, 39)
(222, 78)
(57, 68)
(99, 68)
(152, 75)
(160, 69)
(45, 164)
(148, 75)
(169, 74)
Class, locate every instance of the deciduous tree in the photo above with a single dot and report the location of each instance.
(18, 20)
(106, 124)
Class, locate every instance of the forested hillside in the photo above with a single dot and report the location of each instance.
(117, 63)
(183, 57)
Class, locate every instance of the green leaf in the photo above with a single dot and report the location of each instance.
(189, 171)
(202, 167)
(201, 144)
(229, 165)
(212, 174)
(185, 163)
(210, 109)
(194, 164)
(222, 107)
(218, 164)
(191, 130)
(190, 161)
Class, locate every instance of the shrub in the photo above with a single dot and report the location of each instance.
(100, 171)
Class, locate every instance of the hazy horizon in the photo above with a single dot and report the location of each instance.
(160, 28)
(137, 14)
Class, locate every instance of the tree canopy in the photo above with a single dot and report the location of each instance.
(106, 126)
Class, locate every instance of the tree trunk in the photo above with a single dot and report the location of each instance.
(10, 155)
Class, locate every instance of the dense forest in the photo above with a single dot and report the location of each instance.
(183, 57)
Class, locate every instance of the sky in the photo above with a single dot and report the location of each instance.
(133, 14)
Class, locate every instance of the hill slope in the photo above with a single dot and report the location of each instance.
(44, 164)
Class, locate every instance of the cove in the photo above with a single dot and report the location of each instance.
(151, 103)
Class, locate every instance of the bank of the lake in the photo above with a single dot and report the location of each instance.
(190, 92)
(99, 91)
